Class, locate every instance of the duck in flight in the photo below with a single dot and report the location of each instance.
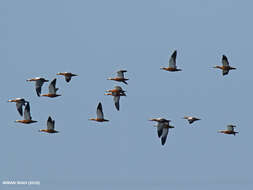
(52, 90)
(116, 93)
(67, 75)
(100, 114)
(50, 126)
(120, 77)
(163, 127)
(118, 90)
(191, 119)
(160, 124)
(27, 115)
(225, 66)
(20, 102)
(39, 81)
(230, 130)
(172, 63)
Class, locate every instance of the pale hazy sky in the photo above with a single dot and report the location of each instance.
(94, 39)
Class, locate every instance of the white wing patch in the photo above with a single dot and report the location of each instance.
(27, 114)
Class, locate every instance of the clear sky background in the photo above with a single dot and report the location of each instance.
(94, 39)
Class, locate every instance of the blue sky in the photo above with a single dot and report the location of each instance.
(94, 39)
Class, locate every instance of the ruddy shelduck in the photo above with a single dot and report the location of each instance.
(160, 124)
(163, 130)
(27, 115)
(230, 130)
(120, 77)
(191, 119)
(52, 90)
(225, 65)
(67, 75)
(118, 90)
(116, 93)
(50, 126)
(39, 81)
(20, 102)
(100, 114)
(116, 97)
(172, 63)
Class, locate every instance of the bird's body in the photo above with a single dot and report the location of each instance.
(117, 90)
(27, 115)
(50, 126)
(225, 66)
(172, 63)
(67, 75)
(160, 119)
(191, 119)
(20, 102)
(100, 114)
(230, 130)
(120, 77)
(52, 90)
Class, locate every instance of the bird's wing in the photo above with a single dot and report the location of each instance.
(172, 60)
(160, 129)
(51, 87)
(164, 135)
(100, 114)
(118, 88)
(190, 121)
(67, 78)
(230, 127)
(225, 71)
(20, 108)
(224, 61)
(120, 73)
(50, 123)
(38, 85)
(27, 114)
(116, 101)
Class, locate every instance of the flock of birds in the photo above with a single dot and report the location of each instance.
(163, 125)
(39, 81)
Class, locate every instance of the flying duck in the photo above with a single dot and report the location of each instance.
(100, 114)
(39, 81)
(172, 63)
